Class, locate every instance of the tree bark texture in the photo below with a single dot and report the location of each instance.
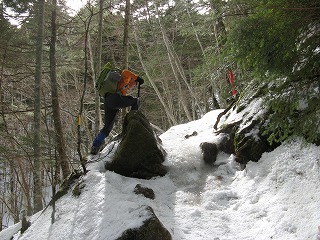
(59, 138)
(125, 62)
(98, 119)
(37, 188)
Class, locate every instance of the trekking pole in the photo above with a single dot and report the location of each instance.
(138, 90)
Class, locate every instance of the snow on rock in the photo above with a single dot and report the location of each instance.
(253, 111)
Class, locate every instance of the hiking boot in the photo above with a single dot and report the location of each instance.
(94, 150)
(97, 143)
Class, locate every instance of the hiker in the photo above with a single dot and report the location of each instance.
(115, 98)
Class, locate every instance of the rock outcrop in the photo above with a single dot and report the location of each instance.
(243, 135)
(139, 153)
(152, 228)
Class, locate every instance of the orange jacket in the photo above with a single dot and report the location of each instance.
(127, 81)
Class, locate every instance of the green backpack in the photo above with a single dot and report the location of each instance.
(104, 83)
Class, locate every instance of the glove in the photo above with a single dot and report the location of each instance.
(140, 80)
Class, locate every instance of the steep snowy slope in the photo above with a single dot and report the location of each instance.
(276, 198)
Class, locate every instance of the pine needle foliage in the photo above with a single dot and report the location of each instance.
(278, 42)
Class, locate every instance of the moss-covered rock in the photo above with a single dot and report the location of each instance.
(249, 147)
(66, 185)
(139, 153)
(76, 192)
(243, 135)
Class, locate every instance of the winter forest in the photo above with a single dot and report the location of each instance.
(194, 55)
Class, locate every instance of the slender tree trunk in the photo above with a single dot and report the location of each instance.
(202, 50)
(219, 29)
(191, 93)
(219, 33)
(168, 113)
(24, 184)
(125, 46)
(13, 192)
(54, 177)
(194, 29)
(1, 212)
(60, 140)
(98, 118)
(37, 188)
(125, 60)
(174, 70)
(2, 106)
(79, 142)
(1, 80)
(166, 94)
(99, 63)
(178, 71)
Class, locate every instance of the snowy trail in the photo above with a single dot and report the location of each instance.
(224, 203)
(197, 205)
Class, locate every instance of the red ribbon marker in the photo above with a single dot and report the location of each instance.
(234, 92)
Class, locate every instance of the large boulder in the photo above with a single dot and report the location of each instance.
(242, 128)
(139, 153)
(244, 139)
(152, 228)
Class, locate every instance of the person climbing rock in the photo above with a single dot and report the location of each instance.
(113, 86)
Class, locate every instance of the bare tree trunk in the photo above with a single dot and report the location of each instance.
(54, 177)
(13, 193)
(194, 29)
(37, 188)
(1, 212)
(125, 60)
(188, 85)
(202, 49)
(5, 174)
(24, 185)
(60, 140)
(166, 94)
(177, 71)
(168, 113)
(98, 119)
(125, 46)
(219, 32)
(97, 111)
(1, 80)
(87, 23)
(170, 56)
(219, 29)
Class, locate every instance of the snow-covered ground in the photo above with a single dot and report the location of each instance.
(277, 198)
